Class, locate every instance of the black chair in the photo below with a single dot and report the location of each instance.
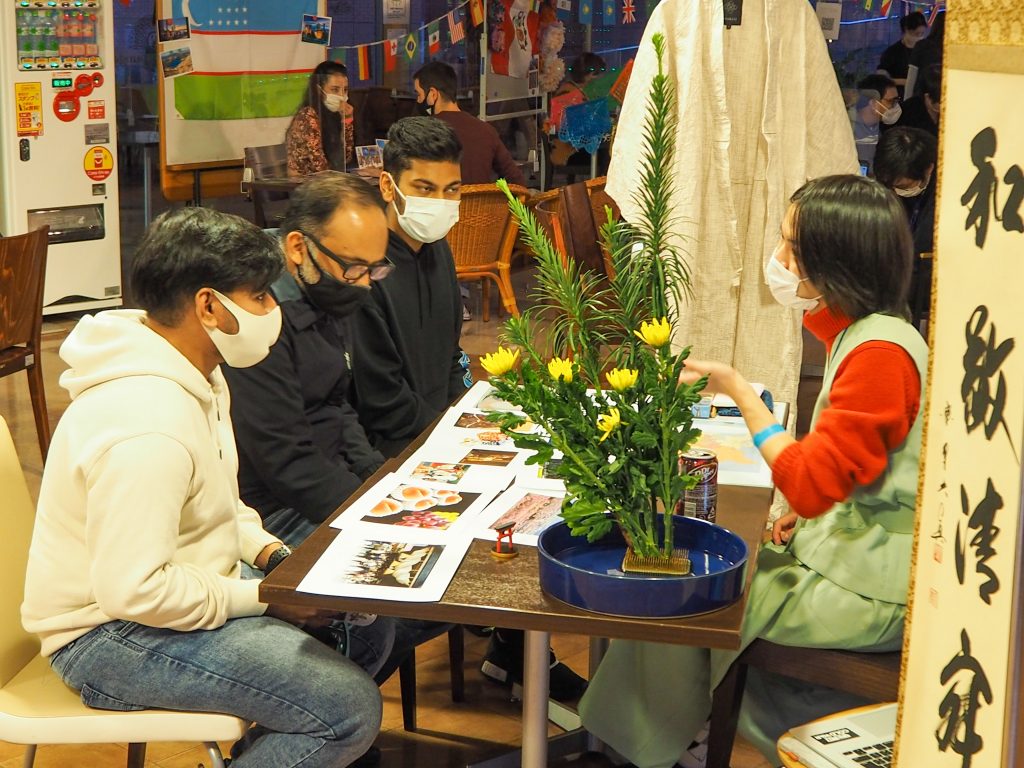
(265, 181)
(407, 677)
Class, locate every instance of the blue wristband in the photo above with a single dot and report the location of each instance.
(766, 434)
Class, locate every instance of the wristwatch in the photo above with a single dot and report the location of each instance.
(276, 558)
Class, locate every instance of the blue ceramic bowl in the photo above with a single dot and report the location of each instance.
(590, 576)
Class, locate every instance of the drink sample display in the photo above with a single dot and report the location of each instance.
(59, 34)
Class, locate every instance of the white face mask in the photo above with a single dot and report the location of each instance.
(784, 284)
(892, 114)
(333, 101)
(426, 219)
(256, 334)
(912, 192)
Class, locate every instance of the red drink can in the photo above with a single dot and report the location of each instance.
(701, 500)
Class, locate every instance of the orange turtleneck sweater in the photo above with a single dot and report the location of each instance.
(873, 402)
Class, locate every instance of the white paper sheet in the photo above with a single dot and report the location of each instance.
(387, 563)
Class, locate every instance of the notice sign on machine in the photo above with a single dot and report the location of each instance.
(97, 109)
(28, 99)
(99, 163)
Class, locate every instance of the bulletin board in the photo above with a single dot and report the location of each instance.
(231, 75)
(962, 675)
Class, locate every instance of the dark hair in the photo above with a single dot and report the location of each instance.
(419, 138)
(315, 201)
(904, 153)
(585, 64)
(931, 82)
(876, 82)
(192, 248)
(330, 122)
(912, 21)
(438, 75)
(851, 239)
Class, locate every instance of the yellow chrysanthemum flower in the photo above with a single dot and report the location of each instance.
(607, 422)
(500, 361)
(560, 369)
(656, 333)
(622, 378)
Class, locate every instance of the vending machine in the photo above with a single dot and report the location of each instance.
(58, 144)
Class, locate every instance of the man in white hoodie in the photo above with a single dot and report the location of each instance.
(141, 580)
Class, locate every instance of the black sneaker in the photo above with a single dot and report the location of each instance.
(503, 664)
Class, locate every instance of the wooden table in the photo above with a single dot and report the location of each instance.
(506, 593)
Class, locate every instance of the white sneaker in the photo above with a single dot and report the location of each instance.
(465, 313)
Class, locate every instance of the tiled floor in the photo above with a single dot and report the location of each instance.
(450, 734)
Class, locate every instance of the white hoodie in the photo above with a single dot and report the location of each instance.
(139, 517)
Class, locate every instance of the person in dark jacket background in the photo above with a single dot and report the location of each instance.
(409, 365)
(302, 451)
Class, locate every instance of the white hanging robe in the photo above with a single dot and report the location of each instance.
(759, 113)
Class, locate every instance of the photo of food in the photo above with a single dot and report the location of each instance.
(532, 514)
(440, 472)
(488, 458)
(413, 506)
(391, 564)
(474, 421)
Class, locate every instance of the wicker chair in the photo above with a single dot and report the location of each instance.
(483, 239)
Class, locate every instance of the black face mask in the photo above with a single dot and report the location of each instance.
(331, 295)
(424, 109)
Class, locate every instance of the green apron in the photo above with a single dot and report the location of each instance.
(648, 700)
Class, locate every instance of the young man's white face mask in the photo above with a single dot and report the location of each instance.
(425, 219)
(256, 334)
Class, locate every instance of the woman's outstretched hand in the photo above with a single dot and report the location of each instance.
(721, 377)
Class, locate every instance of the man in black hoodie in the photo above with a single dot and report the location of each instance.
(409, 365)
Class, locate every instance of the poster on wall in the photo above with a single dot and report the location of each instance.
(513, 27)
(396, 12)
(239, 78)
(962, 649)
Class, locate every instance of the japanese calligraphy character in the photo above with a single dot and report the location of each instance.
(983, 187)
(1011, 209)
(958, 709)
(982, 360)
(981, 520)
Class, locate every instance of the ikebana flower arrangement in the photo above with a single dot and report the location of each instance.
(592, 364)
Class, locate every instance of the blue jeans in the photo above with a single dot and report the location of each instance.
(378, 644)
(316, 707)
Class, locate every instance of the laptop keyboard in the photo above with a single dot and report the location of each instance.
(875, 756)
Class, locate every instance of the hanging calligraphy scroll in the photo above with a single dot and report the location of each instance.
(962, 674)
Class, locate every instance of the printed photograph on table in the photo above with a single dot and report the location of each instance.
(530, 512)
(316, 29)
(474, 421)
(387, 563)
(488, 458)
(416, 506)
(400, 502)
(440, 472)
(369, 156)
(739, 462)
(391, 564)
(177, 61)
(169, 30)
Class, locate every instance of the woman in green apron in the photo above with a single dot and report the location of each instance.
(836, 573)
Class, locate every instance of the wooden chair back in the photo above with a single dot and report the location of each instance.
(22, 271)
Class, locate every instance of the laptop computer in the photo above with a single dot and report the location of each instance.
(858, 740)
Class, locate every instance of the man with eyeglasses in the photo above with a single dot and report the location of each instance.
(302, 451)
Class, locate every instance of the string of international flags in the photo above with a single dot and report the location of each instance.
(429, 34)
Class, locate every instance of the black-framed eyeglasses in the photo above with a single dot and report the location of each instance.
(354, 270)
